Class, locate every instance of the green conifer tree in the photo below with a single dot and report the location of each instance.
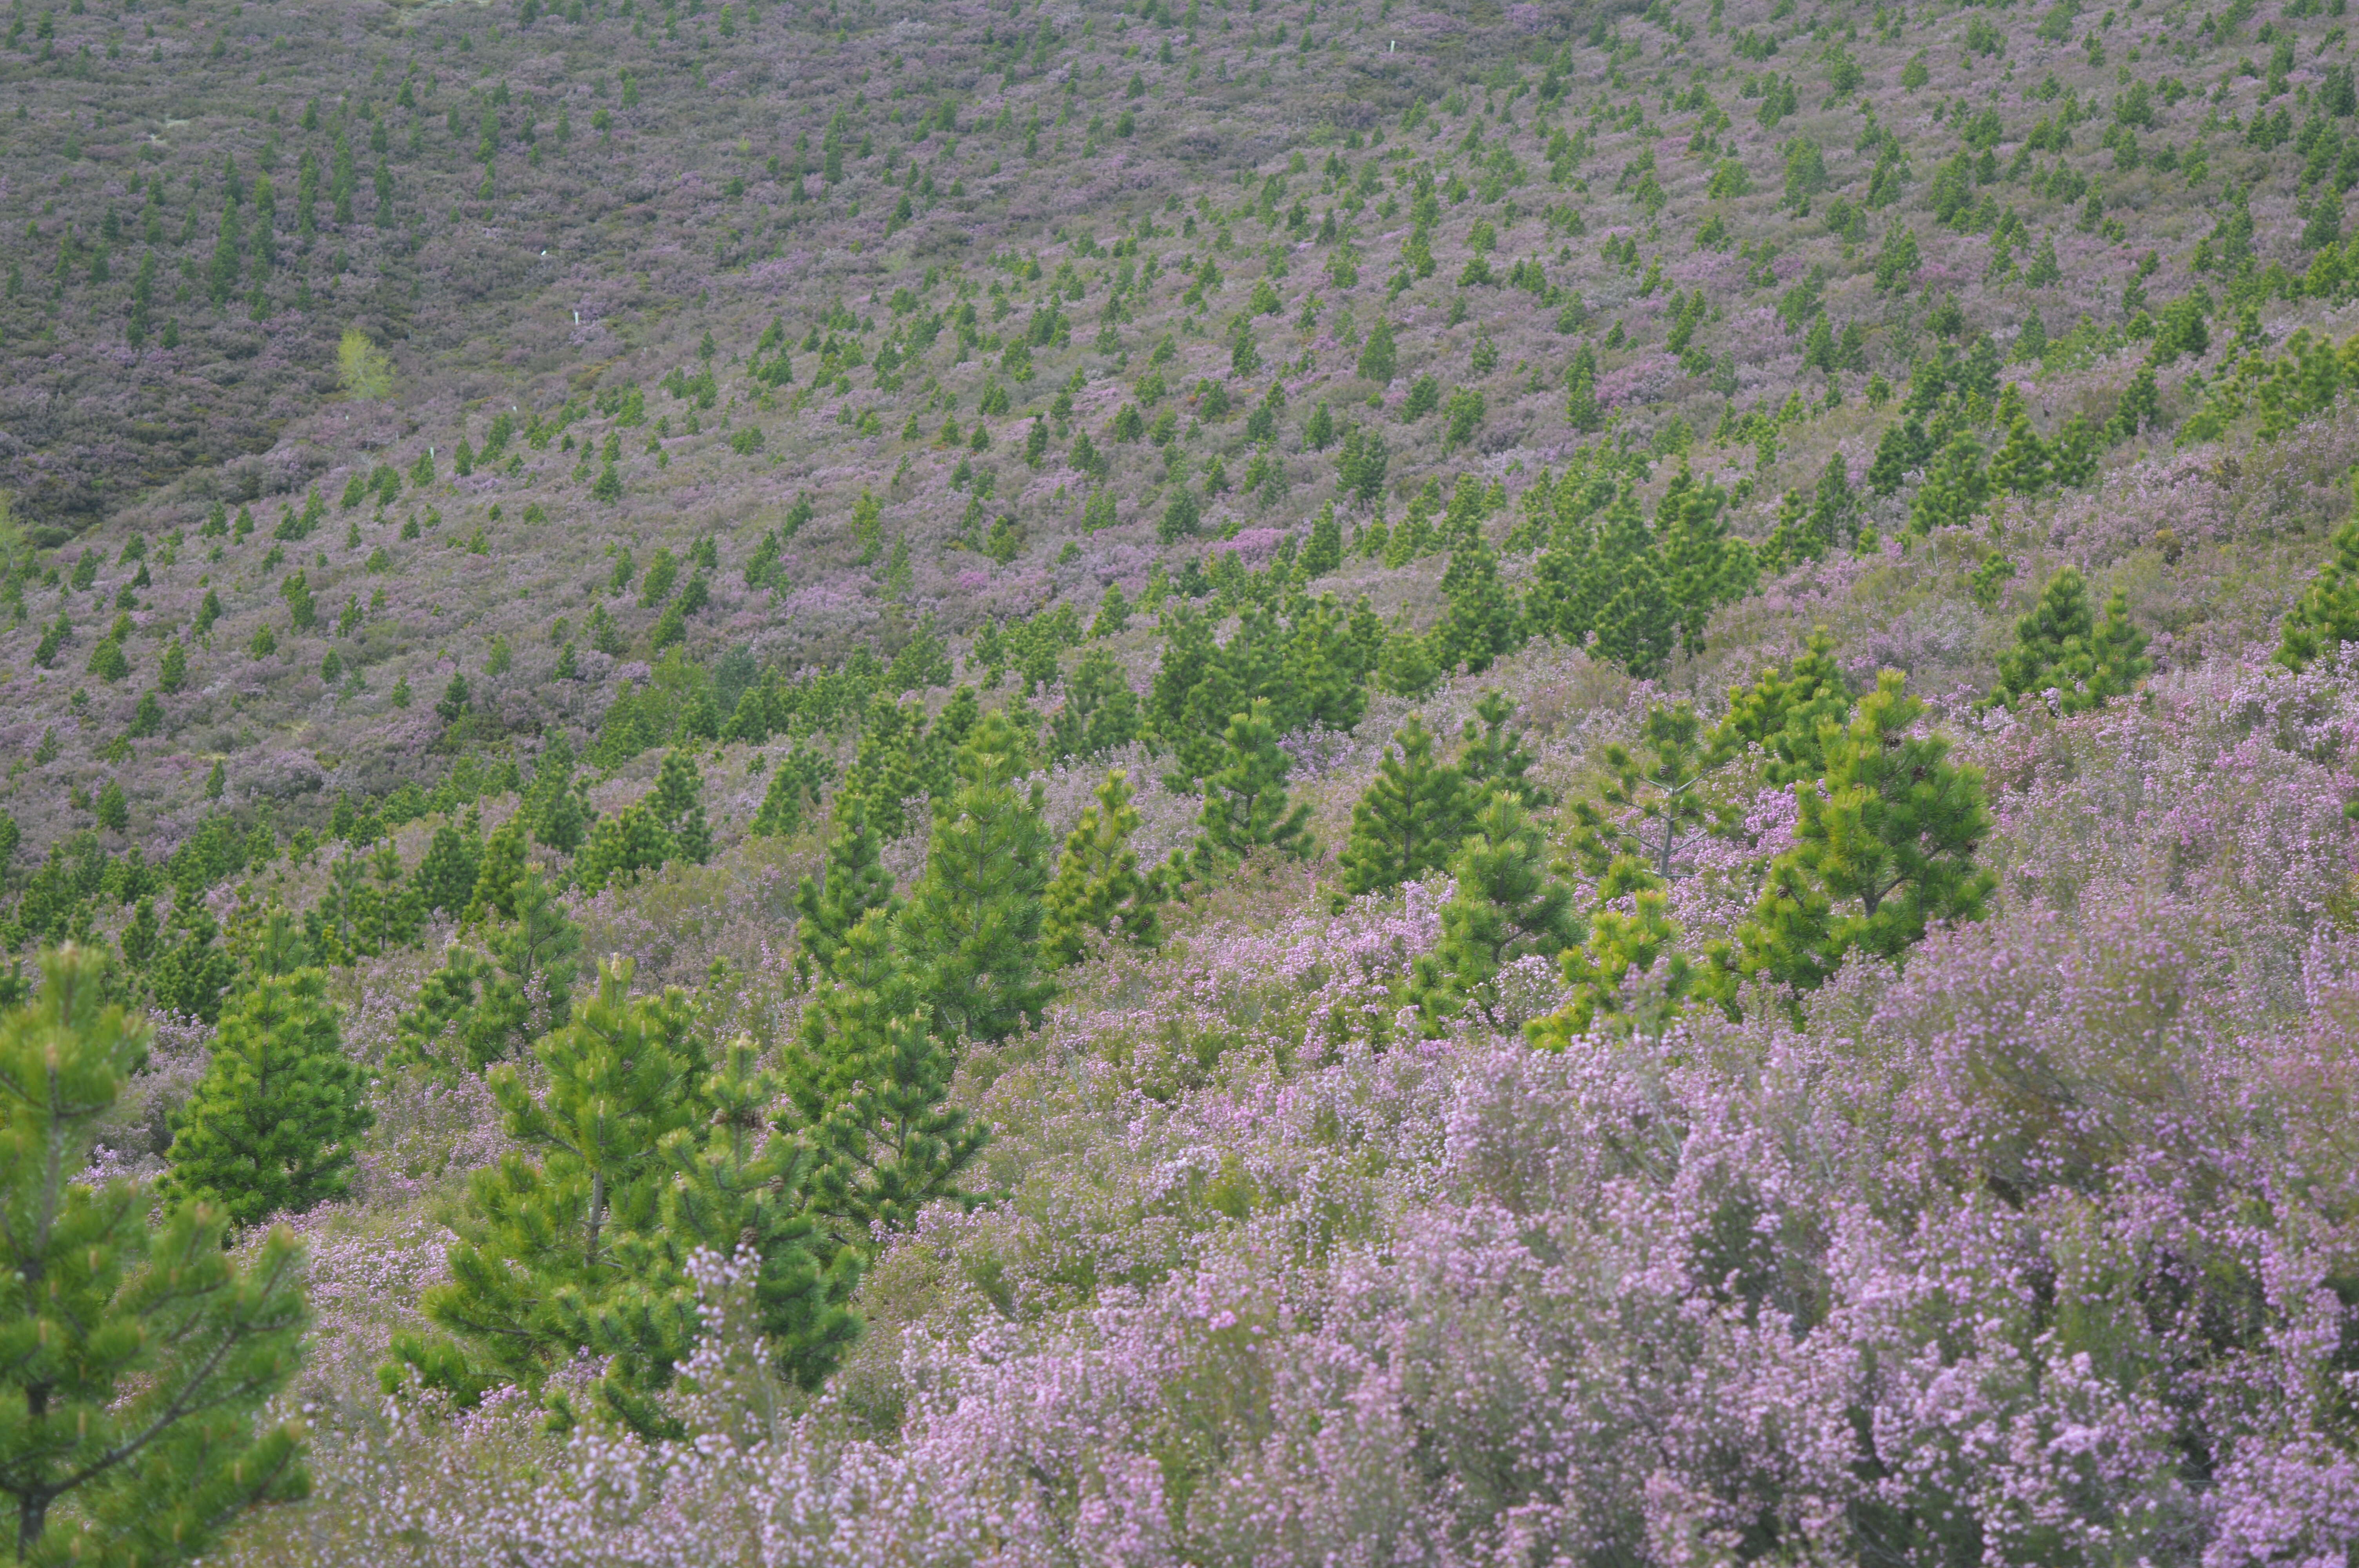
(499, 876)
(445, 877)
(2061, 647)
(2021, 466)
(558, 819)
(1324, 552)
(545, 1246)
(1882, 851)
(735, 1182)
(1246, 803)
(1657, 797)
(1411, 819)
(2327, 614)
(677, 803)
(781, 812)
(272, 1123)
(1480, 623)
(1098, 888)
(868, 1082)
(1630, 977)
(850, 882)
(1955, 486)
(488, 1006)
(1493, 759)
(1783, 712)
(973, 926)
(135, 1359)
(1507, 907)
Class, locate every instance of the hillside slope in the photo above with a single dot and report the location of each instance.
(657, 442)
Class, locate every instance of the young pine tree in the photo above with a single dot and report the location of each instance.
(1883, 852)
(868, 1081)
(1410, 820)
(1784, 713)
(739, 1183)
(2059, 647)
(546, 1246)
(1098, 889)
(1630, 977)
(677, 803)
(2327, 614)
(558, 819)
(973, 926)
(1482, 623)
(445, 877)
(1246, 803)
(1660, 798)
(499, 876)
(1507, 907)
(1493, 758)
(134, 1359)
(484, 1007)
(853, 881)
(272, 1123)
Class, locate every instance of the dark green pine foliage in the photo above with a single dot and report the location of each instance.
(1101, 712)
(2326, 616)
(499, 875)
(554, 807)
(547, 1242)
(1784, 713)
(1581, 410)
(1702, 566)
(191, 970)
(868, 1082)
(488, 1006)
(973, 926)
(2059, 647)
(1905, 448)
(1954, 488)
(896, 762)
(137, 1359)
(445, 877)
(1480, 623)
(1245, 803)
(1098, 890)
(1493, 759)
(1563, 600)
(1659, 799)
(1325, 673)
(737, 1183)
(1324, 552)
(1410, 820)
(796, 780)
(850, 882)
(1201, 684)
(1808, 529)
(1883, 849)
(1507, 907)
(678, 802)
(666, 824)
(1636, 623)
(272, 1123)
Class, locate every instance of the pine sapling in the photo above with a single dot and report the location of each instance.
(1098, 890)
(1409, 821)
(973, 926)
(272, 1123)
(135, 1359)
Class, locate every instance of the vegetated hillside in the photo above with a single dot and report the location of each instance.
(1727, 929)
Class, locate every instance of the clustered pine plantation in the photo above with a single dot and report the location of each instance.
(1255, 779)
